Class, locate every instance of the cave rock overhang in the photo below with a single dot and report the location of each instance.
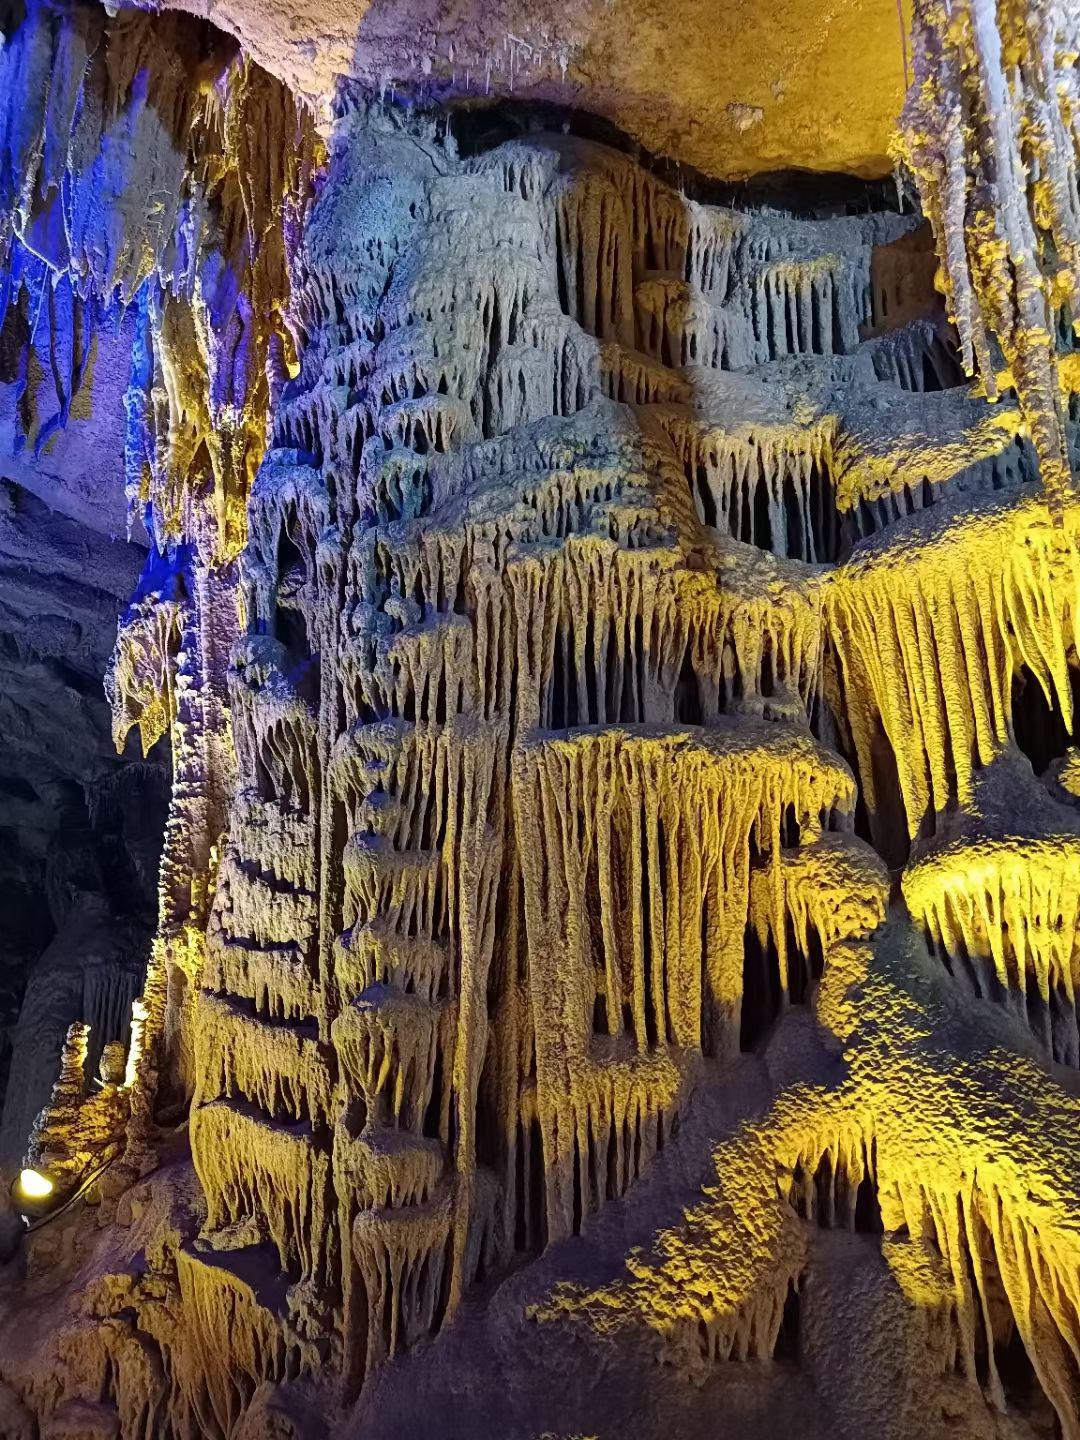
(731, 90)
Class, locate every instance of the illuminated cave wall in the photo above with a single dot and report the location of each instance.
(615, 953)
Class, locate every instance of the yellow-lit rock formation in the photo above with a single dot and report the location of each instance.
(619, 902)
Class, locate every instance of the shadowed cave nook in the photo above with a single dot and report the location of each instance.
(539, 831)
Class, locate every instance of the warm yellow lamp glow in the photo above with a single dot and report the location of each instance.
(34, 1186)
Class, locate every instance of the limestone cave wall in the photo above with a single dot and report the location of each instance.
(616, 957)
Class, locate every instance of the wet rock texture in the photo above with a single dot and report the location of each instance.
(615, 969)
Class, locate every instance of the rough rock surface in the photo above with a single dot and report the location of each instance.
(616, 966)
(747, 98)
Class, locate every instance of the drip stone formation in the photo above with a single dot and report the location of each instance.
(617, 649)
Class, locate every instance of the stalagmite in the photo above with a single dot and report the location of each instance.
(74, 1131)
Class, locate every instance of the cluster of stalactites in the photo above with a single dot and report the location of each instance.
(221, 349)
(638, 851)
(1003, 916)
(991, 131)
(961, 1249)
(140, 683)
(144, 160)
(936, 637)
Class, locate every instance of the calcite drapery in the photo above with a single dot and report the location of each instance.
(512, 826)
(429, 530)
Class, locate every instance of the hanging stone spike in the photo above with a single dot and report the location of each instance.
(989, 131)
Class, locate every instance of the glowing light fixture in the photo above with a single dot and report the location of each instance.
(33, 1185)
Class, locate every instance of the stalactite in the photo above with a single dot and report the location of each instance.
(727, 465)
(903, 457)
(250, 1164)
(714, 1290)
(235, 1342)
(176, 185)
(1002, 915)
(142, 677)
(955, 630)
(668, 818)
(823, 1183)
(917, 357)
(990, 133)
(529, 541)
(277, 1066)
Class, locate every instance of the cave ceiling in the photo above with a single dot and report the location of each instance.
(731, 89)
